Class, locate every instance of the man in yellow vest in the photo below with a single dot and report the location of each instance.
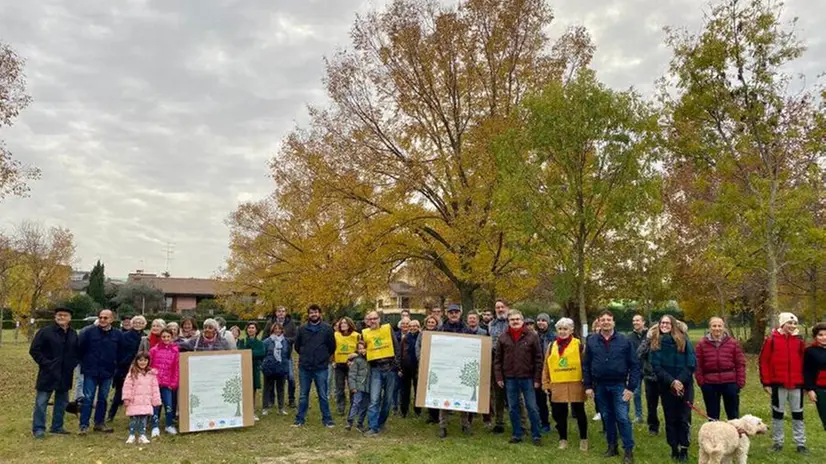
(383, 355)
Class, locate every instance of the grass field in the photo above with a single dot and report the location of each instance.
(272, 440)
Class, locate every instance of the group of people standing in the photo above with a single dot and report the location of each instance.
(377, 368)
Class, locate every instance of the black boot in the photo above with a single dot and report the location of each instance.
(675, 453)
(611, 452)
(682, 454)
(629, 457)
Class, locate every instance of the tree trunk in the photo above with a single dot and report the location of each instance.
(771, 256)
(758, 328)
(813, 276)
(580, 282)
(466, 294)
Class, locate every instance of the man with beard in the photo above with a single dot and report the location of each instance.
(546, 338)
(497, 327)
(315, 343)
(280, 316)
(487, 317)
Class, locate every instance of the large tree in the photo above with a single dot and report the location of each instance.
(45, 258)
(403, 155)
(741, 142)
(13, 98)
(579, 175)
(97, 279)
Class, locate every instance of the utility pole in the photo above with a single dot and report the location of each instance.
(169, 250)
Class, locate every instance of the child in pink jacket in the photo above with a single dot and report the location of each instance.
(164, 357)
(141, 395)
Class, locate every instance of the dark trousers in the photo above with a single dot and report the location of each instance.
(542, 404)
(274, 384)
(730, 395)
(117, 400)
(560, 413)
(821, 404)
(678, 417)
(341, 373)
(652, 399)
(410, 378)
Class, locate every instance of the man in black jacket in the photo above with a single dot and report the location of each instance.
(455, 325)
(54, 349)
(315, 344)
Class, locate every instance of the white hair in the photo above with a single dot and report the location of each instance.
(565, 322)
(211, 323)
(139, 319)
(159, 321)
(404, 319)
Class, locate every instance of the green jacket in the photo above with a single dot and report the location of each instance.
(359, 376)
(258, 353)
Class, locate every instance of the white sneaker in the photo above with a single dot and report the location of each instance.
(156, 432)
(130, 440)
(256, 417)
(265, 412)
(171, 430)
(284, 412)
(143, 440)
(597, 417)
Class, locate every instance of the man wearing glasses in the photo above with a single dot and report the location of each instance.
(384, 357)
(101, 350)
(781, 373)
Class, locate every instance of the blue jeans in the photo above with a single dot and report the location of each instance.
(168, 401)
(514, 387)
(358, 408)
(638, 401)
(90, 385)
(291, 384)
(380, 381)
(615, 414)
(306, 378)
(137, 425)
(41, 402)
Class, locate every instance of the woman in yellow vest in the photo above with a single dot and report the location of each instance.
(562, 380)
(346, 340)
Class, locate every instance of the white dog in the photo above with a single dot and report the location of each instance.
(726, 442)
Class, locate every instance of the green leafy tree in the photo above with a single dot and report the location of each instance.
(96, 288)
(140, 296)
(470, 376)
(579, 175)
(194, 402)
(82, 305)
(741, 144)
(232, 393)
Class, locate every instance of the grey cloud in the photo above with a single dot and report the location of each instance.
(152, 119)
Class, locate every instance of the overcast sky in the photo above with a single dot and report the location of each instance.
(153, 119)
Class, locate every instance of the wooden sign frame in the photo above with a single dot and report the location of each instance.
(247, 393)
(486, 366)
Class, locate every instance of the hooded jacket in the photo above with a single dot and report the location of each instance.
(141, 393)
(164, 360)
(781, 361)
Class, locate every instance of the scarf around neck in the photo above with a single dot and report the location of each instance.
(278, 340)
(516, 333)
(563, 343)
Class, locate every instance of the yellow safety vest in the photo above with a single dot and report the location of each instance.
(568, 367)
(379, 342)
(345, 346)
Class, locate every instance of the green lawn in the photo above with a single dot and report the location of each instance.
(273, 441)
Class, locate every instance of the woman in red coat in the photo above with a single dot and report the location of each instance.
(721, 370)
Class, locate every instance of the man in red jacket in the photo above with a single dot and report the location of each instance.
(781, 373)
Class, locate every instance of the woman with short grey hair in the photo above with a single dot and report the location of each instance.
(209, 340)
(562, 380)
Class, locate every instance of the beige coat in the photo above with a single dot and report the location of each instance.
(565, 392)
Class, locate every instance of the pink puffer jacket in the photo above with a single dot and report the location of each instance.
(164, 359)
(141, 394)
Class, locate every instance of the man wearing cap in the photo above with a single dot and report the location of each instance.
(101, 350)
(54, 349)
(781, 373)
(384, 357)
(546, 337)
(315, 344)
(454, 324)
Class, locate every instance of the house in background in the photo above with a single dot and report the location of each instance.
(180, 294)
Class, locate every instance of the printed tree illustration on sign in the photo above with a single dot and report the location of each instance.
(470, 376)
(432, 380)
(194, 402)
(232, 394)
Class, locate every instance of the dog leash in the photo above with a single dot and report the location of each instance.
(704, 415)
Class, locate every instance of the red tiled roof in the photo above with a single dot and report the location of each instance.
(177, 285)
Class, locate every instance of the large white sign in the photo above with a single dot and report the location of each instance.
(216, 393)
(454, 373)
